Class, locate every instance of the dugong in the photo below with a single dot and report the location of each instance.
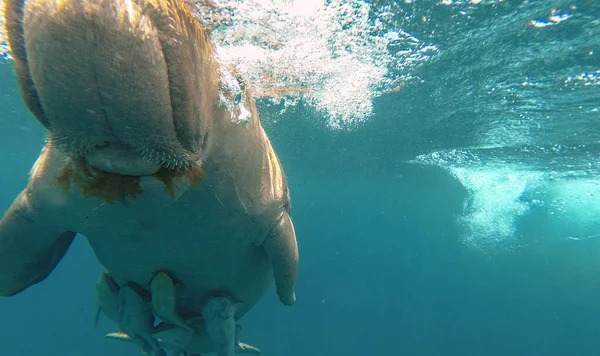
(155, 154)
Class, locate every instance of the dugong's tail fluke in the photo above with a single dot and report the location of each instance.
(30, 247)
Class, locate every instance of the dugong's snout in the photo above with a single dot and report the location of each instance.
(109, 76)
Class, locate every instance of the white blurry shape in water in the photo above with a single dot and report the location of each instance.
(495, 199)
(494, 205)
(337, 55)
(504, 184)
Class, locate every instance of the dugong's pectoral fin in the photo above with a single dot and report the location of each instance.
(218, 314)
(282, 249)
(29, 249)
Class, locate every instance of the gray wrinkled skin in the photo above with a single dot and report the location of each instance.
(134, 85)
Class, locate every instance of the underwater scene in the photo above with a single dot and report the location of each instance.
(443, 164)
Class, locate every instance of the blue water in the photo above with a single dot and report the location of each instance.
(459, 214)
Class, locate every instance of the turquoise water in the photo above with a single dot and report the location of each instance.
(444, 165)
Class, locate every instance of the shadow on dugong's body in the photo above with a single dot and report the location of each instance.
(155, 153)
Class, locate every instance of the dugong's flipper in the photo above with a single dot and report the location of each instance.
(163, 292)
(30, 245)
(282, 250)
(135, 317)
(218, 314)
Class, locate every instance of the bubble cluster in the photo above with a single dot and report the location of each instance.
(495, 203)
(335, 56)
